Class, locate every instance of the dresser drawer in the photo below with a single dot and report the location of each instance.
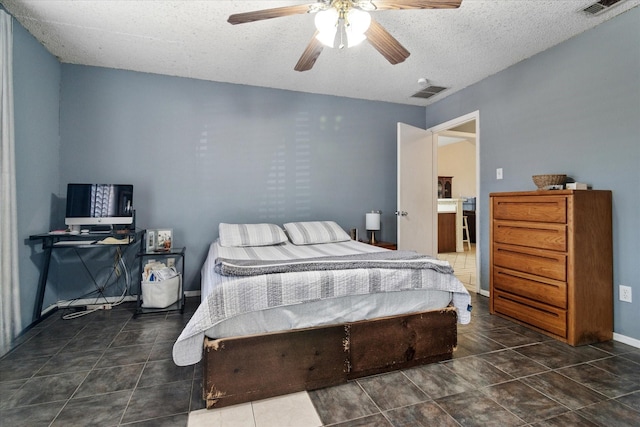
(534, 209)
(535, 235)
(550, 319)
(548, 291)
(538, 262)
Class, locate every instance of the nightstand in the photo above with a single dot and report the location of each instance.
(386, 245)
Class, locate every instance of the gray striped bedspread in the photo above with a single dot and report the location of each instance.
(236, 295)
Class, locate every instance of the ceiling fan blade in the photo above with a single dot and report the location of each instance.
(259, 15)
(416, 4)
(385, 43)
(310, 54)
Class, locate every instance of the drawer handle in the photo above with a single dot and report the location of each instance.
(547, 230)
(554, 314)
(508, 251)
(515, 276)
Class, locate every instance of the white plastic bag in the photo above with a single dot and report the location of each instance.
(161, 274)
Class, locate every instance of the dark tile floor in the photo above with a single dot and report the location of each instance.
(501, 375)
(108, 369)
(103, 369)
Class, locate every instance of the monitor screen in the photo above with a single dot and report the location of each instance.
(99, 204)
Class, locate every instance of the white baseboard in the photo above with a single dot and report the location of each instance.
(484, 293)
(48, 309)
(61, 304)
(92, 301)
(626, 340)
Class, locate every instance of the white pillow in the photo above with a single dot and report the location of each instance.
(309, 233)
(250, 234)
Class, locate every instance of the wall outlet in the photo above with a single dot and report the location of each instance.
(499, 173)
(625, 293)
(171, 262)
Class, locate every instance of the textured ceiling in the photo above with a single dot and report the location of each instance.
(453, 47)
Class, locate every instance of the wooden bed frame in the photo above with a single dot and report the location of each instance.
(243, 369)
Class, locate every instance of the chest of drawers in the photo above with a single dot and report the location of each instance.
(551, 264)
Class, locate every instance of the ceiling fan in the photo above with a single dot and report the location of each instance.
(348, 19)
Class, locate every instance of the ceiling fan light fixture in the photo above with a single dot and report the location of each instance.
(354, 39)
(327, 25)
(351, 18)
(358, 20)
(328, 37)
(357, 23)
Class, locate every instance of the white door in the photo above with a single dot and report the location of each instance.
(417, 202)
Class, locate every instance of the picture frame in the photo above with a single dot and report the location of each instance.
(151, 240)
(164, 239)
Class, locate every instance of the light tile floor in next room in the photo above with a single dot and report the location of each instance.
(464, 265)
(109, 369)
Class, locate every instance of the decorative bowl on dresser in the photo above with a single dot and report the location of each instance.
(545, 181)
(551, 265)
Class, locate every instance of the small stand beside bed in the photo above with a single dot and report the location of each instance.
(282, 313)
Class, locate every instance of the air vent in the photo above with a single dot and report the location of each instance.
(428, 92)
(601, 6)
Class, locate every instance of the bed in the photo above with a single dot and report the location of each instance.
(310, 308)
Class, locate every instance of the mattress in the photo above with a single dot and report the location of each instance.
(238, 306)
(317, 313)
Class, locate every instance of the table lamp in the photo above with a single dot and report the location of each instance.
(373, 224)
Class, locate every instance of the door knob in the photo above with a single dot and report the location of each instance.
(401, 213)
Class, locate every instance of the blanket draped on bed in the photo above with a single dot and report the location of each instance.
(390, 259)
(396, 271)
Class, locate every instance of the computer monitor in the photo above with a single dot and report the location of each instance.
(99, 204)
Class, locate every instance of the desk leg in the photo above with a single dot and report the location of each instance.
(42, 284)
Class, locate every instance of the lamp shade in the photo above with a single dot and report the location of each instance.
(373, 220)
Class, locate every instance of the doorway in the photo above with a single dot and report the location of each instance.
(457, 156)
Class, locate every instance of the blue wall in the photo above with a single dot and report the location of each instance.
(199, 153)
(572, 109)
(36, 88)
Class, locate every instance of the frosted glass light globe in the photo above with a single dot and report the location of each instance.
(327, 24)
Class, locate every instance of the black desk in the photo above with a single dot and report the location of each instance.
(56, 240)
